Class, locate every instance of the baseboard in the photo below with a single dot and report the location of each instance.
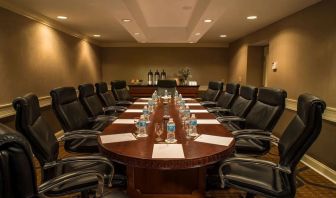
(320, 168)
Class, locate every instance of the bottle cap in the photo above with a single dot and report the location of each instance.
(142, 117)
(145, 107)
(193, 115)
(170, 119)
(187, 107)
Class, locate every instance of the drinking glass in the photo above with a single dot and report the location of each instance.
(158, 131)
(136, 120)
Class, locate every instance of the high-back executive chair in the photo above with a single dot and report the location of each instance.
(120, 91)
(108, 99)
(74, 119)
(92, 103)
(37, 131)
(261, 120)
(212, 93)
(241, 105)
(269, 179)
(169, 85)
(17, 172)
(225, 99)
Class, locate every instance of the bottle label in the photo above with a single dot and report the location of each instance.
(193, 122)
(171, 128)
(142, 123)
(145, 111)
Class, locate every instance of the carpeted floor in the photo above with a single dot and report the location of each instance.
(314, 184)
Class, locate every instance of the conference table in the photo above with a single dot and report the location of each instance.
(165, 177)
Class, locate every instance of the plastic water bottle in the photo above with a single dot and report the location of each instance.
(151, 106)
(171, 131)
(145, 112)
(187, 112)
(142, 127)
(166, 93)
(193, 125)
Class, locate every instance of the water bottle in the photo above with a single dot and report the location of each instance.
(151, 106)
(187, 112)
(166, 93)
(145, 112)
(142, 127)
(171, 131)
(193, 125)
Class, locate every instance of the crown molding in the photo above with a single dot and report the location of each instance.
(45, 21)
(215, 45)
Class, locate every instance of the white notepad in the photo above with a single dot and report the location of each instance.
(198, 111)
(122, 137)
(207, 121)
(187, 99)
(133, 111)
(145, 98)
(213, 139)
(124, 121)
(168, 151)
(140, 103)
(193, 104)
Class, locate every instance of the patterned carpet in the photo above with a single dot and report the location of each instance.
(314, 184)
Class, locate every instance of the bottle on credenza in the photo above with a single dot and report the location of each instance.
(150, 77)
(163, 75)
(156, 77)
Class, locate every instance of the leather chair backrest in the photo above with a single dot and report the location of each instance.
(266, 112)
(105, 95)
(228, 96)
(301, 132)
(90, 100)
(17, 174)
(120, 90)
(169, 85)
(245, 100)
(68, 109)
(31, 124)
(213, 91)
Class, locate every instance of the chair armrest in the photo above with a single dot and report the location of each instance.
(209, 103)
(230, 119)
(91, 158)
(218, 109)
(251, 161)
(266, 137)
(251, 131)
(73, 176)
(124, 102)
(79, 134)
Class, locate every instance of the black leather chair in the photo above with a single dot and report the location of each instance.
(73, 118)
(31, 124)
(169, 85)
(212, 93)
(120, 91)
(17, 173)
(261, 119)
(108, 99)
(93, 105)
(269, 179)
(241, 105)
(225, 99)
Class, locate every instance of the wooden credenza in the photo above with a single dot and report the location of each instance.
(147, 90)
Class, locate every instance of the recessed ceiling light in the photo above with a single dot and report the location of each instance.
(197, 34)
(96, 35)
(207, 20)
(191, 41)
(62, 17)
(137, 33)
(223, 35)
(251, 17)
(126, 20)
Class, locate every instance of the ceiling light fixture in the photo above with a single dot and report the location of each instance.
(191, 41)
(207, 20)
(197, 34)
(96, 35)
(62, 17)
(126, 20)
(251, 17)
(137, 33)
(222, 36)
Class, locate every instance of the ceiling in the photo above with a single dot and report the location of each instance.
(161, 21)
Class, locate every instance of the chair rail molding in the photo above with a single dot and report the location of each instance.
(329, 113)
(7, 110)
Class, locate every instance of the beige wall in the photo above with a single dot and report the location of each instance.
(133, 63)
(36, 58)
(304, 46)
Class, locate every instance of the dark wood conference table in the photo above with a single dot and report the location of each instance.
(148, 177)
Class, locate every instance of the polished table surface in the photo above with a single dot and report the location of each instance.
(137, 155)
